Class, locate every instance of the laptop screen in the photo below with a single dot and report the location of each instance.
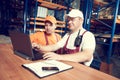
(21, 43)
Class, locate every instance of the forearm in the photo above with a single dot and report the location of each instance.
(78, 57)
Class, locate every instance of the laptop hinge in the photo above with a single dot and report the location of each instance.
(22, 55)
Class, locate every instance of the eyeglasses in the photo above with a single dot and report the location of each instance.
(72, 19)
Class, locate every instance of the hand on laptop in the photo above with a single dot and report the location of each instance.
(52, 55)
(36, 46)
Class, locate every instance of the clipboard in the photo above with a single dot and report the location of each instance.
(36, 67)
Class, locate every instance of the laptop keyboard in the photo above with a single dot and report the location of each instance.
(37, 55)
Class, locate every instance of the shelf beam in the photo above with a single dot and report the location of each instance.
(51, 5)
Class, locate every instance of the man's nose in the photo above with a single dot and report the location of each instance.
(48, 27)
(69, 21)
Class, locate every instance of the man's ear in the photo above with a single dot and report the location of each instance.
(81, 19)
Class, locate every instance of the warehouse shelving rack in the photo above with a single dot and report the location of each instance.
(27, 19)
(111, 26)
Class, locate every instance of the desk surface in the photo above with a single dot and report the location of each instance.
(11, 69)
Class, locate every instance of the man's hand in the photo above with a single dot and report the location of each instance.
(52, 55)
(36, 46)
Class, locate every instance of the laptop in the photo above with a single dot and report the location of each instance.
(22, 45)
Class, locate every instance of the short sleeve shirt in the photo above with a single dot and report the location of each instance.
(88, 41)
(39, 38)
